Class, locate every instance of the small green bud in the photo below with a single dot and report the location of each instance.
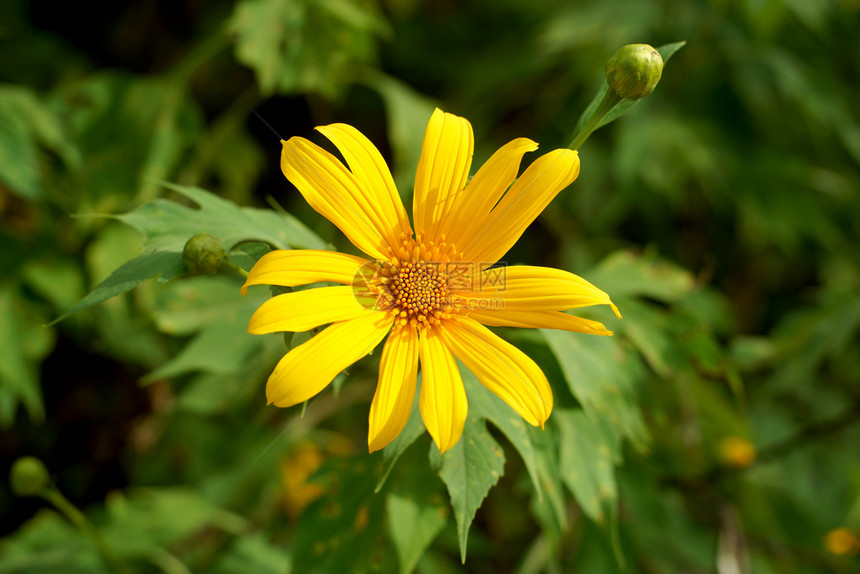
(28, 477)
(634, 70)
(203, 254)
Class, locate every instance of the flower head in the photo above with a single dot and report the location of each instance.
(431, 286)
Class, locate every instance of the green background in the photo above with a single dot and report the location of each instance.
(721, 214)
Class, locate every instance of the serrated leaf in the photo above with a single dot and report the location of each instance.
(167, 224)
(603, 376)
(469, 470)
(484, 404)
(588, 452)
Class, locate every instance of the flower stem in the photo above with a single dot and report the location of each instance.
(609, 101)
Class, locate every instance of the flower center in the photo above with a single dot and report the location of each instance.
(414, 283)
(419, 290)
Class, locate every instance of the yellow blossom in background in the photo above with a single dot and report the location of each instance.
(738, 452)
(430, 286)
(842, 542)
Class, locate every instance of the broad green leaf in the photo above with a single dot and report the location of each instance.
(627, 274)
(167, 224)
(588, 453)
(603, 375)
(469, 469)
(415, 508)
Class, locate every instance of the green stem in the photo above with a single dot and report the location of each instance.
(609, 101)
(76, 517)
(230, 267)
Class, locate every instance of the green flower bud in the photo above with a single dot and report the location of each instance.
(634, 70)
(203, 254)
(28, 477)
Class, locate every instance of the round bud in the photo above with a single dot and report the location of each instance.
(203, 254)
(634, 70)
(28, 477)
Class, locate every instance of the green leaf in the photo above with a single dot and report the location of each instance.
(588, 452)
(294, 45)
(484, 404)
(146, 520)
(603, 375)
(23, 343)
(167, 225)
(413, 429)
(253, 553)
(469, 469)
(415, 508)
(220, 348)
(341, 532)
(627, 274)
(164, 265)
(24, 123)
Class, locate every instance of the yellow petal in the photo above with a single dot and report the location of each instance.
(521, 205)
(483, 191)
(502, 368)
(333, 191)
(398, 373)
(443, 399)
(527, 288)
(304, 310)
(443, 169)
(291, 267)
(539, 320)
(374, 179)
(309, 368)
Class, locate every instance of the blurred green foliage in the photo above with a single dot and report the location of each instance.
(721, 214)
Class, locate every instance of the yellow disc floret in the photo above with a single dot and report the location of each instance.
(415, 282)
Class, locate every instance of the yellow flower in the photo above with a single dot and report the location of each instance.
(432, 292)
(738, 452)
(842, 542)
